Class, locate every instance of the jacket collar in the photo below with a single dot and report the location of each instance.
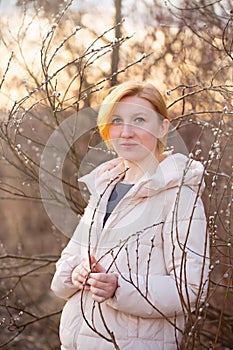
(173, 171)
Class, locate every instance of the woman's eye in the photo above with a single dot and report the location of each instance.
(116, 120)
(139, 120)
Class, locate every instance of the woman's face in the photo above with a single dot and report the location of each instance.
(135, 128)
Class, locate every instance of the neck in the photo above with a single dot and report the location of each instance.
(136, 170)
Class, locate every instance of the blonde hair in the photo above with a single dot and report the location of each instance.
(139, 89)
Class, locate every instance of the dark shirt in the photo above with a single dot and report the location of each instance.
(117, 194)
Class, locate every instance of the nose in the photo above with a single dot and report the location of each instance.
(127, 130)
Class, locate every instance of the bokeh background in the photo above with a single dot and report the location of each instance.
(58, 59)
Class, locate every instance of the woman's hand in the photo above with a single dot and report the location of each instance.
(102, 285)
(80, 274)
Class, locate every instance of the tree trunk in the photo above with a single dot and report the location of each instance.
(115, 52)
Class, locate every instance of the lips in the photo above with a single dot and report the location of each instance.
(128, 144)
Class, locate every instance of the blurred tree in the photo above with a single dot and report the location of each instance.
(47, 7)
(115, 52)
(56, 65)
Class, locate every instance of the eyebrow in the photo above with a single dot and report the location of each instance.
(133, 115)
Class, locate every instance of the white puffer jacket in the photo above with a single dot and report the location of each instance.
(155, 239)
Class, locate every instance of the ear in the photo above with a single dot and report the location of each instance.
(164, 127)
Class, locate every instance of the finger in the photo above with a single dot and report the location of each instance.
(97, 267)
(92, 259)
(86, 265)
(97, 298)
(100, 276)
(81, 282)
(79, 276)
(103, 284)
(101, 289)
(77, 284)
(97, 285)
(86, 286)
(84, 269)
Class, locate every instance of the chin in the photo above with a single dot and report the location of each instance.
(133, 157)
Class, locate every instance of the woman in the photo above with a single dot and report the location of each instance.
(137, 262)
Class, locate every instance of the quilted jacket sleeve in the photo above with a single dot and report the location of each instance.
(71, 256)
(185, 249)
(61, 284)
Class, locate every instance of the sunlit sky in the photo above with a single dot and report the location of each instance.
(6, 6)
(133, 24)
(12, 16)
